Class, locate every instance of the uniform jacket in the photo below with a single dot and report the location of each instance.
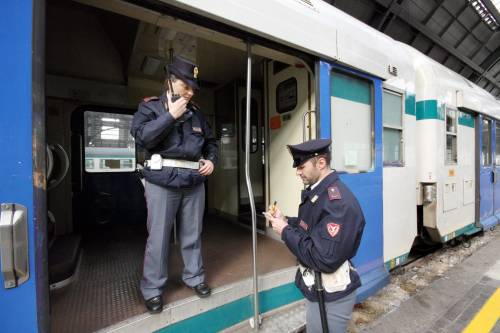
(326, 233)
(187, 138)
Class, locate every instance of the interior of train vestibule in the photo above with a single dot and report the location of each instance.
(100, 64)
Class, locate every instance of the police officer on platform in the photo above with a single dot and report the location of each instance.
(324, 237)
(181, 151)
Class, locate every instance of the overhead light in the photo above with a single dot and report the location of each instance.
(150, 65)
(484, 12)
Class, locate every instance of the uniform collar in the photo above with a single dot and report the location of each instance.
(323, 184)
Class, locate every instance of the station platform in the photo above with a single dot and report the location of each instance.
(465, 299)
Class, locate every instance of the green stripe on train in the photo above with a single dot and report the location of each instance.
(395, 262)
(429, 109)
(466, 119)
(468, 230)
(350, 88)
(410, 104)
(235, 312)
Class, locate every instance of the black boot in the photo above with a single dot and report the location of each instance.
(202, 290)
(155, 304)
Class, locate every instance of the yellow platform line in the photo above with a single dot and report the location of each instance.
(487, 317)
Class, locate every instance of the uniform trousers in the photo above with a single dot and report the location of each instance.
(164, 207)
(338, 314)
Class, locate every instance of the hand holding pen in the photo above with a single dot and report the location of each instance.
(276, 218)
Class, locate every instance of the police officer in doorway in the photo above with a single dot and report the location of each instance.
(181, 152)
(324, 237)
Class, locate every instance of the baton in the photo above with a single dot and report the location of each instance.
(318, 284)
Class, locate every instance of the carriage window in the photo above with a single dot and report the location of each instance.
(486, 145)
(451, 136)
(286, 95)
(392, 110)
(352, 123)
(109, 147)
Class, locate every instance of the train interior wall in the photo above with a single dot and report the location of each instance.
(102, 64)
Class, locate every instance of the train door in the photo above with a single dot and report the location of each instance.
(23, 294)
(290, 108)
(256, 154)
(232, 199)
(496, 161)
(486, 172)
(351, 115)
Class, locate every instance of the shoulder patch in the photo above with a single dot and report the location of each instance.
(151, 98)
(334, 193)
(333, 229)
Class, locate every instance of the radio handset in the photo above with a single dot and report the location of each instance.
(174, 97)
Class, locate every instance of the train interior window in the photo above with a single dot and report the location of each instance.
(254, 125)
(392, 109)
(109, 147)
(451, 136)
(486, 143)
(286, 95)
(352, 123)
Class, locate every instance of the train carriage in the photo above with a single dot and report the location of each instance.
(415, 142)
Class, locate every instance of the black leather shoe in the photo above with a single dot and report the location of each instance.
(202, 290)
(155, 304)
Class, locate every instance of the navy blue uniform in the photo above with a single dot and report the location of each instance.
(326, 233)
(187, 138)
(172, 194)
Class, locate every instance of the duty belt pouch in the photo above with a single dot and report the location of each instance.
(307, 276)
(338, 280)
(156, 162)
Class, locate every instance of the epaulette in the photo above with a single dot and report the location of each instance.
(151, 98)
(334, 193)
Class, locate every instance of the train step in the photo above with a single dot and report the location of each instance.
(223, 305)
(287, 319)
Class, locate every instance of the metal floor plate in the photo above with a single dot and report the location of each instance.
(106, 289)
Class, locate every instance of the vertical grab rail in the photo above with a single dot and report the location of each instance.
(304, 126)
(250, 190)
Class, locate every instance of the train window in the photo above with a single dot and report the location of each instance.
(286, 95)
(392, 111)
(109, 147)
(486, 145)
(254, 137)
(352, 123)
(451, 136)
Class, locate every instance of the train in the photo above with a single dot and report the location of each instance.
(418, 145)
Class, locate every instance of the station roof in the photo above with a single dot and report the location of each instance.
(461, 34)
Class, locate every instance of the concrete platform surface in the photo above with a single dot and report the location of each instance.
(450, 303)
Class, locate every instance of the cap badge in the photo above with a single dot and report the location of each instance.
(195, 72)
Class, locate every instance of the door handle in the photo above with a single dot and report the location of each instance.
(304, 126)
(14, 244)
(493, 177)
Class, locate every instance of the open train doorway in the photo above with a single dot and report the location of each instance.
(96, 78)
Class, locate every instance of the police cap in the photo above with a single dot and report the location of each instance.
(185, 70)
(309, 149)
